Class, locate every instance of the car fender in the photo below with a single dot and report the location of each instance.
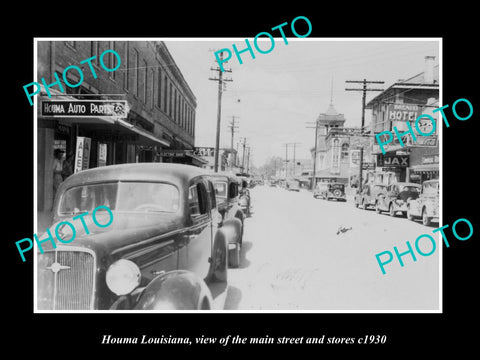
(175, 290)
(232, 230)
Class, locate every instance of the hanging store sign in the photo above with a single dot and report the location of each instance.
(392, 161)
(204, 151)
(82, 153)
(85, 108)
(403, 112)
(172, 153)
(430, 159)
(368, 166)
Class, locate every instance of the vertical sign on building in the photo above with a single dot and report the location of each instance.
(102, 154)
(82, 153)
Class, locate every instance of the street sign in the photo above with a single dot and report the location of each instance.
(84, 108)
(368, 166)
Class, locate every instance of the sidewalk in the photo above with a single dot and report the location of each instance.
(44, 220)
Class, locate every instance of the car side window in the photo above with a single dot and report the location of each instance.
(193, 201)
(211, 193)
(233, 190)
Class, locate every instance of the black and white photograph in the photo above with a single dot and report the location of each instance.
(292, 204)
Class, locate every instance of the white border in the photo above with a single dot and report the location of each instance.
(35, 144)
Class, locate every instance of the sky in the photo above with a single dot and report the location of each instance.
(274, 96)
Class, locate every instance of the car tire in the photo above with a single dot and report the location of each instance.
(391, 212)
(234, 256)
(409, 214)
(220, 263)
(426, 220)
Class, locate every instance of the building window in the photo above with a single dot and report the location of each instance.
(175, 109)
(145, 81)
(165, 97)
(112, 59)
(345, 148)
(170, 107)
(95, 51)
(159, 89)
(136, 63)
(126, 72)
(152, 89)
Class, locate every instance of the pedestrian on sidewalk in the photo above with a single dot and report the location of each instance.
(57, 169)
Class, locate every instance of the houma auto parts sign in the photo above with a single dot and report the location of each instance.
(85, 108)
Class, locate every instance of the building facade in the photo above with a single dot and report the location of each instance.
(402, 102)
(159, 114)
(337, 158)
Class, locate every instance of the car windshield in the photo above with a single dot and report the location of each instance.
(337, 186)
(221, 189)
(121, 196)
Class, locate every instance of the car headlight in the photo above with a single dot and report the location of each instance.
(123, 276)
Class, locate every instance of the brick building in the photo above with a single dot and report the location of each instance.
(400, 103)
(161, 106)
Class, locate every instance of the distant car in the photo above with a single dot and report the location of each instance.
(293, 185)
(163, 250)
(368, 196)
(395, 197)
(227, 193)
(330, 191)
(426, 206)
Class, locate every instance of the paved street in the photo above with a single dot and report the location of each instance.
(293, 258)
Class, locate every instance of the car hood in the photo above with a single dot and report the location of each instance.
(125, 229)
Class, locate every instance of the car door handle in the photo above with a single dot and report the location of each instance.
(157, 272)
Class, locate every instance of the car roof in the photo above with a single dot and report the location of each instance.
(167, 172)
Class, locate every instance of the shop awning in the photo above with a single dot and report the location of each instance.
(106, 125)
(145, 137)
(197, 158)
(425, 168)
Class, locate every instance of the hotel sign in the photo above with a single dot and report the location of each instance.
(403, 112)
(84, 108)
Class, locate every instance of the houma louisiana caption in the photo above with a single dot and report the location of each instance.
(259, 174)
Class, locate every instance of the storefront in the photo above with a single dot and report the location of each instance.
(87, 138)
(428, 170)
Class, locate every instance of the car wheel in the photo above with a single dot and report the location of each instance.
(220, 263)
(234, 256)
(391, 211)
(409, 214)
(425, 219)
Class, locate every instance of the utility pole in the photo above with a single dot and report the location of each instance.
(248, 159)
(294, 163)
(314, 180)
(220, 80)
(243, 155)
(364, 90)
(232, 129)
(286, 159)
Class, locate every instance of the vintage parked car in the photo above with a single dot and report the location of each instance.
(395, 197)
(293, 185)
(368, 196)
(226, 188)
(163, 250)
(426, 205)
(330, 191)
